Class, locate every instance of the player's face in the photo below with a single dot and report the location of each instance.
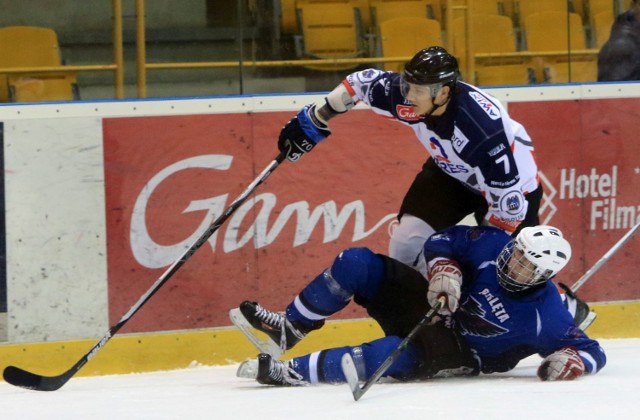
(422, 97)
(521, 270)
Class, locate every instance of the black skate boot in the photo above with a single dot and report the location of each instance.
(269, 371)
(283, 334)
(582, 315)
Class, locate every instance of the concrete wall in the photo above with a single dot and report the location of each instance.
(92, 15)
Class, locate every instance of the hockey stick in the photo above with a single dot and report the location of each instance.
(349, 368)
(615, 248)
(25, 379)
(591, 316)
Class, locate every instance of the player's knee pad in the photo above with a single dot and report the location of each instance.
(358, 271)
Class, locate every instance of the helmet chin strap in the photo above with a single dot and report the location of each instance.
(435, 105)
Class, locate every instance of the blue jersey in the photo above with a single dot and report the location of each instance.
(475, 141)
(503, 328)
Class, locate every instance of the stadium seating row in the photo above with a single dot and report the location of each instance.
(523, 43)
(374, 12)
(33, 47)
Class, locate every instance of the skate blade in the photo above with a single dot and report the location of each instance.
(351, 375)
(264, 346)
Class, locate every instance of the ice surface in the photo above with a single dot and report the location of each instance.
(216, 393)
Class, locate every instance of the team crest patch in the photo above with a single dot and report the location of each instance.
(512, 202)
(474, 233)
(486, 105)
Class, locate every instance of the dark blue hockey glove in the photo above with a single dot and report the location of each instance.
(302, 133)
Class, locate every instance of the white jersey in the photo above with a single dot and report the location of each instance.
(474, 141)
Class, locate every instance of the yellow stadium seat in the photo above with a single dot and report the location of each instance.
(361, 5)
(594, 7)
(288, 23)
(328, 31)
(494, 36)
(32, 47)
(547, 33)
(403, 37)
(509, 8)
(482, 7)
(601, 26)
(382, 11)
(525, 8)
(578, 6)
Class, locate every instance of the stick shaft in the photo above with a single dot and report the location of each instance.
(22, 378)
(398, 350)
(615, 248)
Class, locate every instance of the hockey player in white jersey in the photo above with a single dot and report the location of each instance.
(480, 161)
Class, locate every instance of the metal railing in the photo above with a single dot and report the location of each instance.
(142, 66)
(117, 66)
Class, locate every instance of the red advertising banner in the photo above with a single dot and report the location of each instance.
(589, 153)
(168, 178)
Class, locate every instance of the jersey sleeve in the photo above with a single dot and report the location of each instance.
(378, 89)
(558, 331)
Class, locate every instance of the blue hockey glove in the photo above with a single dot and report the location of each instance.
(302, 133)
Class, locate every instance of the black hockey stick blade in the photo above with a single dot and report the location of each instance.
(25, 379)
(349, 369)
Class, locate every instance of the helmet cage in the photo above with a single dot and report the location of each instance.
(516, 273)
(533, 257)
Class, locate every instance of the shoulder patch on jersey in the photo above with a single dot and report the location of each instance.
(487, 106)
(475, 233)
(441, 237)
(365, 76)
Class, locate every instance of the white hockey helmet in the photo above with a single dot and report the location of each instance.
(533, 257)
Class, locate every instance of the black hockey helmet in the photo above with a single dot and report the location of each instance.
(432, 65)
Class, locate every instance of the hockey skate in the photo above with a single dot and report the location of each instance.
(582, 315)
(282, 334)
(269, 371)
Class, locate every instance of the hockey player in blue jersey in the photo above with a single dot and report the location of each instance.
(480, 161)
(501, 307)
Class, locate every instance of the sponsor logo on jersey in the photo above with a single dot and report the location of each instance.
(499, 148)
(486, 105)
(459, 143)
(435, 145)
(442, 159)
(497, 308)
(405, 112)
